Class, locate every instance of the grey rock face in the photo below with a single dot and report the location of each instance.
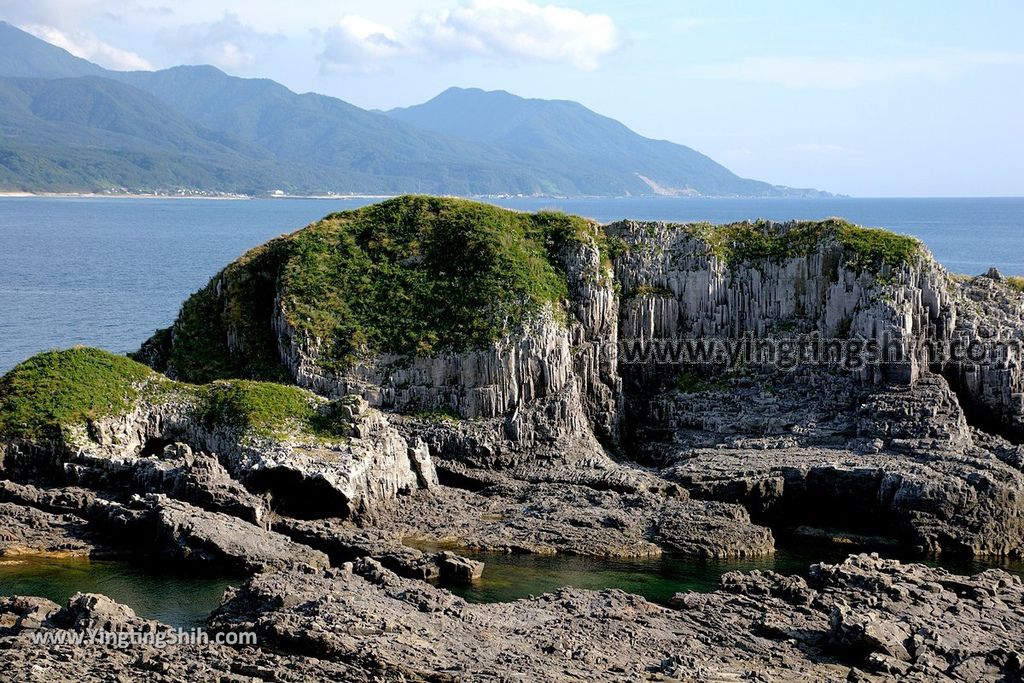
(572, 519)
(554, 400)
(191, 535)
(867, 619)
(198, 479)
(72, 521)
(539, 461)
(21, 618)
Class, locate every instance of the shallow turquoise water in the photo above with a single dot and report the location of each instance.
(177, 599)
(186, 600)
(510, 577)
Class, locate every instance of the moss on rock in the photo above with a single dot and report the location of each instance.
(267, 409)
(420, 276)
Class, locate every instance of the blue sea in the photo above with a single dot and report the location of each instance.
(107, 272)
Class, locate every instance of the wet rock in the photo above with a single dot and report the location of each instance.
(344, 543)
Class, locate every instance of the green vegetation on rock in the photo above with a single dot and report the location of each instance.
(413, 275)
(874, 246)
(242, 311)
(752, 241)
(1015, 282)
(67, 387)
(689, 382)
(655, 291)
(266, 409)
(421, 275)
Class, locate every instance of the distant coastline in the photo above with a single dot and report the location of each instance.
(10, 194)
(154, 196)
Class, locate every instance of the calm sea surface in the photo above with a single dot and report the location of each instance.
(107, 272)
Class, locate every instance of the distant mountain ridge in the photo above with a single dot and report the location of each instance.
(564, 134)
(69, 125)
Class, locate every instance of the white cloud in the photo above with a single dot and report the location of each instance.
(226, 43)
(87, 46)
(518, 29)
(848, 72)
(500, 30)
(358, 44)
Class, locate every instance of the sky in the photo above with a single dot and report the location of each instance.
(908, 98)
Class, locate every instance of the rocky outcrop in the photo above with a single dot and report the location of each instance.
(345, 543)
(344, 501)
(198, 479)
(78, 522)
(991, 316)
(903, 465)
(219, 466)
(550, 385)
(102, 624)
(677, 284)
(554, 397)
(186, 534)
(864, 618)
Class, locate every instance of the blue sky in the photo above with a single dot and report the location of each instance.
(906, 98)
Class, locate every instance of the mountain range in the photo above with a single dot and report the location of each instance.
(67, 124)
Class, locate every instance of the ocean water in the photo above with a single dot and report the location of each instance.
(107, 272)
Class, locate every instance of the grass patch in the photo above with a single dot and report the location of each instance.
(874, 246)
(1015, 282)
(67, 387)
(262, 407)
(760, 240)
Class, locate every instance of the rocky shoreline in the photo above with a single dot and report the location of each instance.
(256, 440)
(866, 619)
